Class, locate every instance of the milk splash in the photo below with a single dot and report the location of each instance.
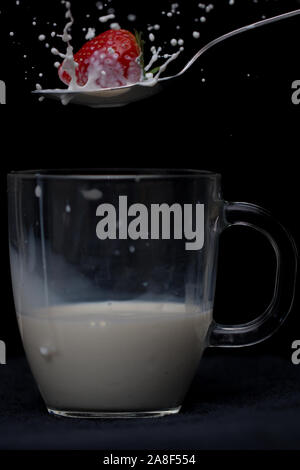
(101, 78)
(69, 65)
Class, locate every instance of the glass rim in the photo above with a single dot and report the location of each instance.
(113, 173)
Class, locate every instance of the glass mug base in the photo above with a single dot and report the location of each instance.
(114, 414)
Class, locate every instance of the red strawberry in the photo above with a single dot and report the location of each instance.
(109, 59)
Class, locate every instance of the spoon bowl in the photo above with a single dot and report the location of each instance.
(103, 98)
(121, 96)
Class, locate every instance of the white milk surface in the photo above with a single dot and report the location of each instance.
(114, 356)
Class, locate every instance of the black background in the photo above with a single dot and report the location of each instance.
(240, 122)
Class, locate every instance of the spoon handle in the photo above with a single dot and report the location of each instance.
(234, 33)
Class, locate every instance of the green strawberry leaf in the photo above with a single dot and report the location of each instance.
(141, 43)
(155, 70)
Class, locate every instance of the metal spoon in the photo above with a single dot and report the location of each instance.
(121, 96)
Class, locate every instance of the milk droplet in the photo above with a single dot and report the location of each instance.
(104, 19)
(92, 194)
(132, 249)
(46, 351)
(68, 208)
(42, 37)
(131, 17)
(115, 26)
(38, 191)
(90, 34)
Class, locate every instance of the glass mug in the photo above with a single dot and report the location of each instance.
(113, 275)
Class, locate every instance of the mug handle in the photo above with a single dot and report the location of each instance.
(255, 331)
